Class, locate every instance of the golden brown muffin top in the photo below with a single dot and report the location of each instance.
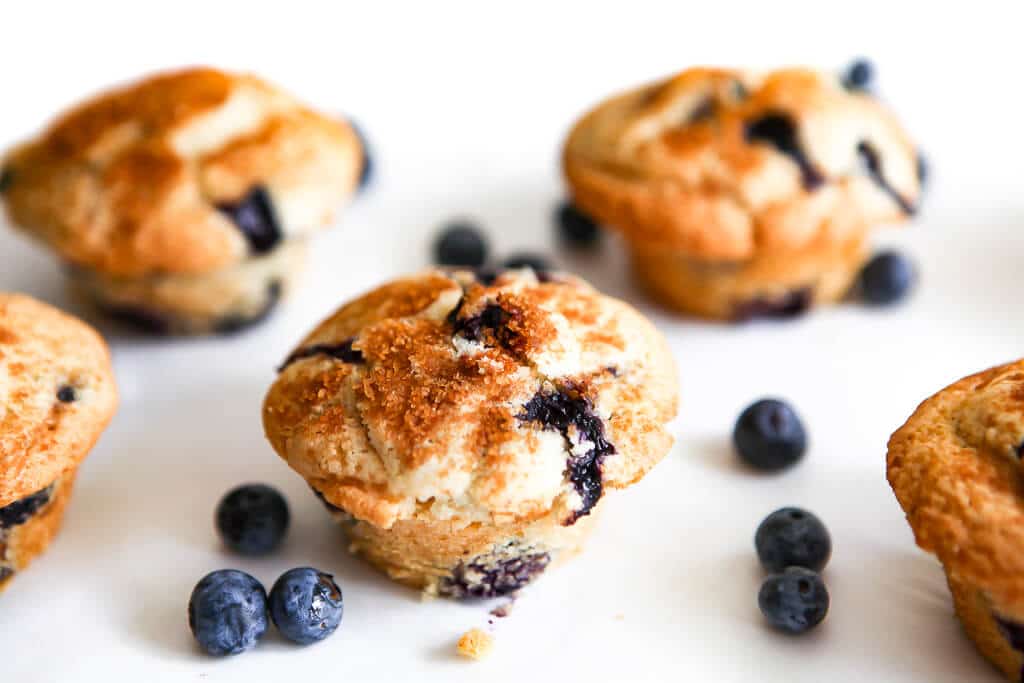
(152, 177)
(57, 394)
(955, 467)
(721, 164)
(441, 396)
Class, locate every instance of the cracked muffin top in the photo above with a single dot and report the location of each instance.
(955, 467)
(184, 172)
(57, 394)
(722, 165)
(442, 396)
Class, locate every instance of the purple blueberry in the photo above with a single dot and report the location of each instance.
(859, 75)
(252, 519)
(780, 131)
(792, 537)
(575, 228)
(254, 216)
(769, 435)
(20, 511)
(461, 244)
(794, 601)
(887, 278)
(227, 612)
(306, 605)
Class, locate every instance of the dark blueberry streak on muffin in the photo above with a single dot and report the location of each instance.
(777, 129)
(559, 411)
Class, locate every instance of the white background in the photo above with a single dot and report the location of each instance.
(466, 106)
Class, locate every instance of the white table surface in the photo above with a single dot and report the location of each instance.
(466, 106)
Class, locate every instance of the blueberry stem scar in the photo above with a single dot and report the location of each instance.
(342, 351)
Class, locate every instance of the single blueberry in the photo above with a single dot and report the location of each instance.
(461, 244)
(538, 263)
(859, 75)
(366, 171)
(887, 278)
(792, 537)
(769, 435)
(794, 601)
(252, 519)
(306, 605)
(67, 394)
(576, 228)
(254, 216)
(227, 612)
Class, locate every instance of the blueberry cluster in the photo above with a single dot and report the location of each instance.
(230, 610)
(794, 546)
(462, 243)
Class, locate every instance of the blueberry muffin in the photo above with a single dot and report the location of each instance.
(464, 429)
(183, 203)
(955, 467)
(56, 395)
(742, 195)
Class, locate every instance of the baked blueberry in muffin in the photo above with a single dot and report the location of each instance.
(57, 395)
(955, 467)
(744, 195)
(183, 203)
(466, 431)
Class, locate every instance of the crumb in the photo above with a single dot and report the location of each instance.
(502, 611)
(475, 644)
(619, 617)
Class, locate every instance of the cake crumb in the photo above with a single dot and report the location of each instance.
(475, 644)
(502, 611)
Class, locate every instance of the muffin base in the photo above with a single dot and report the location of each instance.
(20, 544)
(778, 285)
(458, 560)
(979, 618)
(221, 302)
